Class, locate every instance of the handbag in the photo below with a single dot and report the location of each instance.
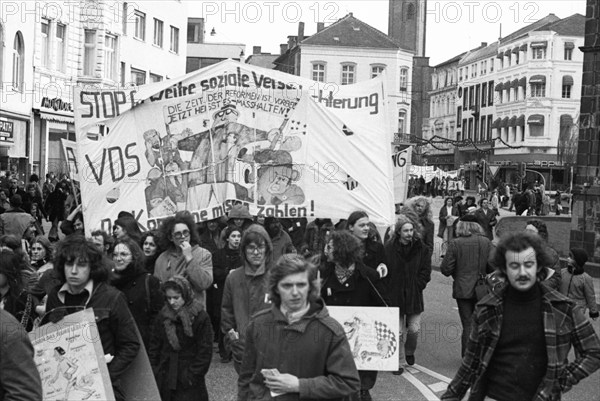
(481, 286)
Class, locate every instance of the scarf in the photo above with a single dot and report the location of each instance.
(343, 273)
(186, 315)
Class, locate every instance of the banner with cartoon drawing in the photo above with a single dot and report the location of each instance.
(373, 334)
(235, 133)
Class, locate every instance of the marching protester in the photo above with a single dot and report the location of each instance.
(281, 356)
(553, 278)
(40, 251)
(152, 248)
(282, 243)
(245, 291)
(422, 207)
(141, 289)
(372, 250)
(409, 262)
(224, 261)
(466, 260)
(522, 333)
(210, 239)
(103, 241)
(348, 281)
(14, 297)
(315, 236)
(181, 345)
(19, 376)
(84, 275)
(238, 216)
(15, 221)
(55, 207)
(183, 256)
(127, 226)
(577, 284)
(73, 223)
(486, 218)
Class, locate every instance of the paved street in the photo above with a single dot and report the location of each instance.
(437, 357)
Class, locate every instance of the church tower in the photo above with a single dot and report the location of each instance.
(406, 24)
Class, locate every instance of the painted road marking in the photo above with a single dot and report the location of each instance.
(438, 387)
(423, 389)
(432, 373)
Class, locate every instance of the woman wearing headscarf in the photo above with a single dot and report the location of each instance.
(181, 345)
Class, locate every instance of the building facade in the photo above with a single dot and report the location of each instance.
(205, 50)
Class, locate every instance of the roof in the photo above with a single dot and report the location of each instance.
(523, 31)
(351, 32)
(450, 61)
(480, 53)
(262, 60)
(573, 25)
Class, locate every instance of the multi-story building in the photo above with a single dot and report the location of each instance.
(442, 114)
(203, 50)
(538, 87)
(350, 51)
(16, 93)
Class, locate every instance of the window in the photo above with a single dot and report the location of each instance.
(402, 121)
(568, 53)
(155, 78)
(61, 37)
(538, 90)
(517, 57)
(123, 74)
(318, 72)
(484, 94)
(566, 91)
(158, 32)
(491, 65)
(460, 74)
(174, 40)
(403, 78)
(471, 96)
(538, 53)
(376, 70)
(18, 62)
(140, 25)
(490, 93)
(138, 77)
(195, 30)
(466, 72)
(89, 55)
(348, 74)
(110, 59)
(458, 116)
(44, 55)
(465, 98)
(124, 16)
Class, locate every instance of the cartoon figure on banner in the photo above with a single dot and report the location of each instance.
(370, 340)
(160, 152)
(69, 369)
(276, 177)
(158, 202)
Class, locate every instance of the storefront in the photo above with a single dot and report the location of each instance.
(14, 144)
(540, 168)
(442, 162)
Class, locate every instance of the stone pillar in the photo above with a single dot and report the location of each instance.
(585, 227)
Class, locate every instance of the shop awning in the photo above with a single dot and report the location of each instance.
(514, 83)
(513, 121)
(500, 55)
(498, 87)
(506, 85)
(523, 82)
(504, 122)
(537, 79)
(57, 117)
(507, 53)
(542, 43)
(569, 45)
(496, 123)
(535, 119)
(567, 80)
(566, 120)
(521, 120)
(515, 50)
(523, 48)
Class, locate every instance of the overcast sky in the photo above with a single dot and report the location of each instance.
(452, 26)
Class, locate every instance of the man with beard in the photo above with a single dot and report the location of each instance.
(522, 332)
(282, 243)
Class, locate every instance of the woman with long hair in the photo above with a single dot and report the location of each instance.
(141, 289)
(181, 345)
(152, 248)
(373, 254)
(127, 226)
(348, 281)
(13, 296)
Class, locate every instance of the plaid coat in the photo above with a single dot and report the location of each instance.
(564, 325)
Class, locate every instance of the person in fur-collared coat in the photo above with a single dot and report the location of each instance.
(181, 344)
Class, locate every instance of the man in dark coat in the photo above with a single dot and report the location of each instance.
(409, 262)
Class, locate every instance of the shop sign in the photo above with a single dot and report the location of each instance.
(6, 130)
(56, 104)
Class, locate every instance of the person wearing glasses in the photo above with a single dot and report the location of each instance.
(246, 291)
(183, 255)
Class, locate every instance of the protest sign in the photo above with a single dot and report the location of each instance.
(70, 359)
(70, 151)
(401, 162)
(235, 133)
(373, 334)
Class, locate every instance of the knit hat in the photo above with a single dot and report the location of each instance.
(580, 256)
(239, 212)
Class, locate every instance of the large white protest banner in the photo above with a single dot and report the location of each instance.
(284, 145)
(373, 334)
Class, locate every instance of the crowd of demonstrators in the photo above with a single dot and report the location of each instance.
(531, 362)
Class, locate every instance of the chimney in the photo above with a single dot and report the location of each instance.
(320, 26)
(283, 48)
(256, 50)
(300, 32)
(291, 41)
(483, 44)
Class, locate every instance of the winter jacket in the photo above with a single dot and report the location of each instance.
(282, 244)
(487, 220)
(325, 368)
(428, 233)
(443, 216)
(409, 270)
(315, 236)
(579, 288)
(180, 373)
(363, 288)
(564, 326)
(224, 261)
(19, 376)
(198, 270)
(144, 306)
(15, 222)
(466, 258)
(116, 326)
(55, 205)
(374, 253)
